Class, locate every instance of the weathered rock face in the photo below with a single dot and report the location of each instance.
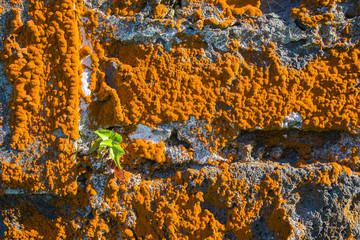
(240, 119)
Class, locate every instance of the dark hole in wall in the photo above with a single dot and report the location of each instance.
(175, 141)
(110, 74)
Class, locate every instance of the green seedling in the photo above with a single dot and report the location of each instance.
(108, 144)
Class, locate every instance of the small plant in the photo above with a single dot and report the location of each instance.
(108, 148)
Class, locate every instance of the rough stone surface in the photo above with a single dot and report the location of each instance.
(240, 119)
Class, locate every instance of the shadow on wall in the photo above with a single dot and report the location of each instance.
(279, 7)
(296, 146)
(3, 228)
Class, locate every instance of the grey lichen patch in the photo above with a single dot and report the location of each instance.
(6, 90)
(293, 120)
(155, 135)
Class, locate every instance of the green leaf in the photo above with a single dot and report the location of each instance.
(95, 145)
(115, 155)
(112, 155)
(117, 138)
(109, 139)
(104, 134)
(101, 149)
(119, 149)
(107, 142)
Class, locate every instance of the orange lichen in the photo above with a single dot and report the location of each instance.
(231, 9)
(230, 91)
(107, 109)
(28, 71)
(228, 11)
(42, 63)
(238, 8)
(199, 24)
(11, 174)
(172, 209)
(160, 11)
(278, 220)
(329, 176)
(15, 2)
(183, 216)
(308, 12)
(127, 8)
(85, 51)
(142, 150)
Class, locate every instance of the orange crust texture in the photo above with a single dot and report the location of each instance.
(155, 86)
(43, 65)
(195, 95)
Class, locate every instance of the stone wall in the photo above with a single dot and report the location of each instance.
(240, 119)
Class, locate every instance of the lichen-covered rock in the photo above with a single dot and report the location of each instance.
(240, 119)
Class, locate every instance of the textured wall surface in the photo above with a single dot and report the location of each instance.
(240, 119)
